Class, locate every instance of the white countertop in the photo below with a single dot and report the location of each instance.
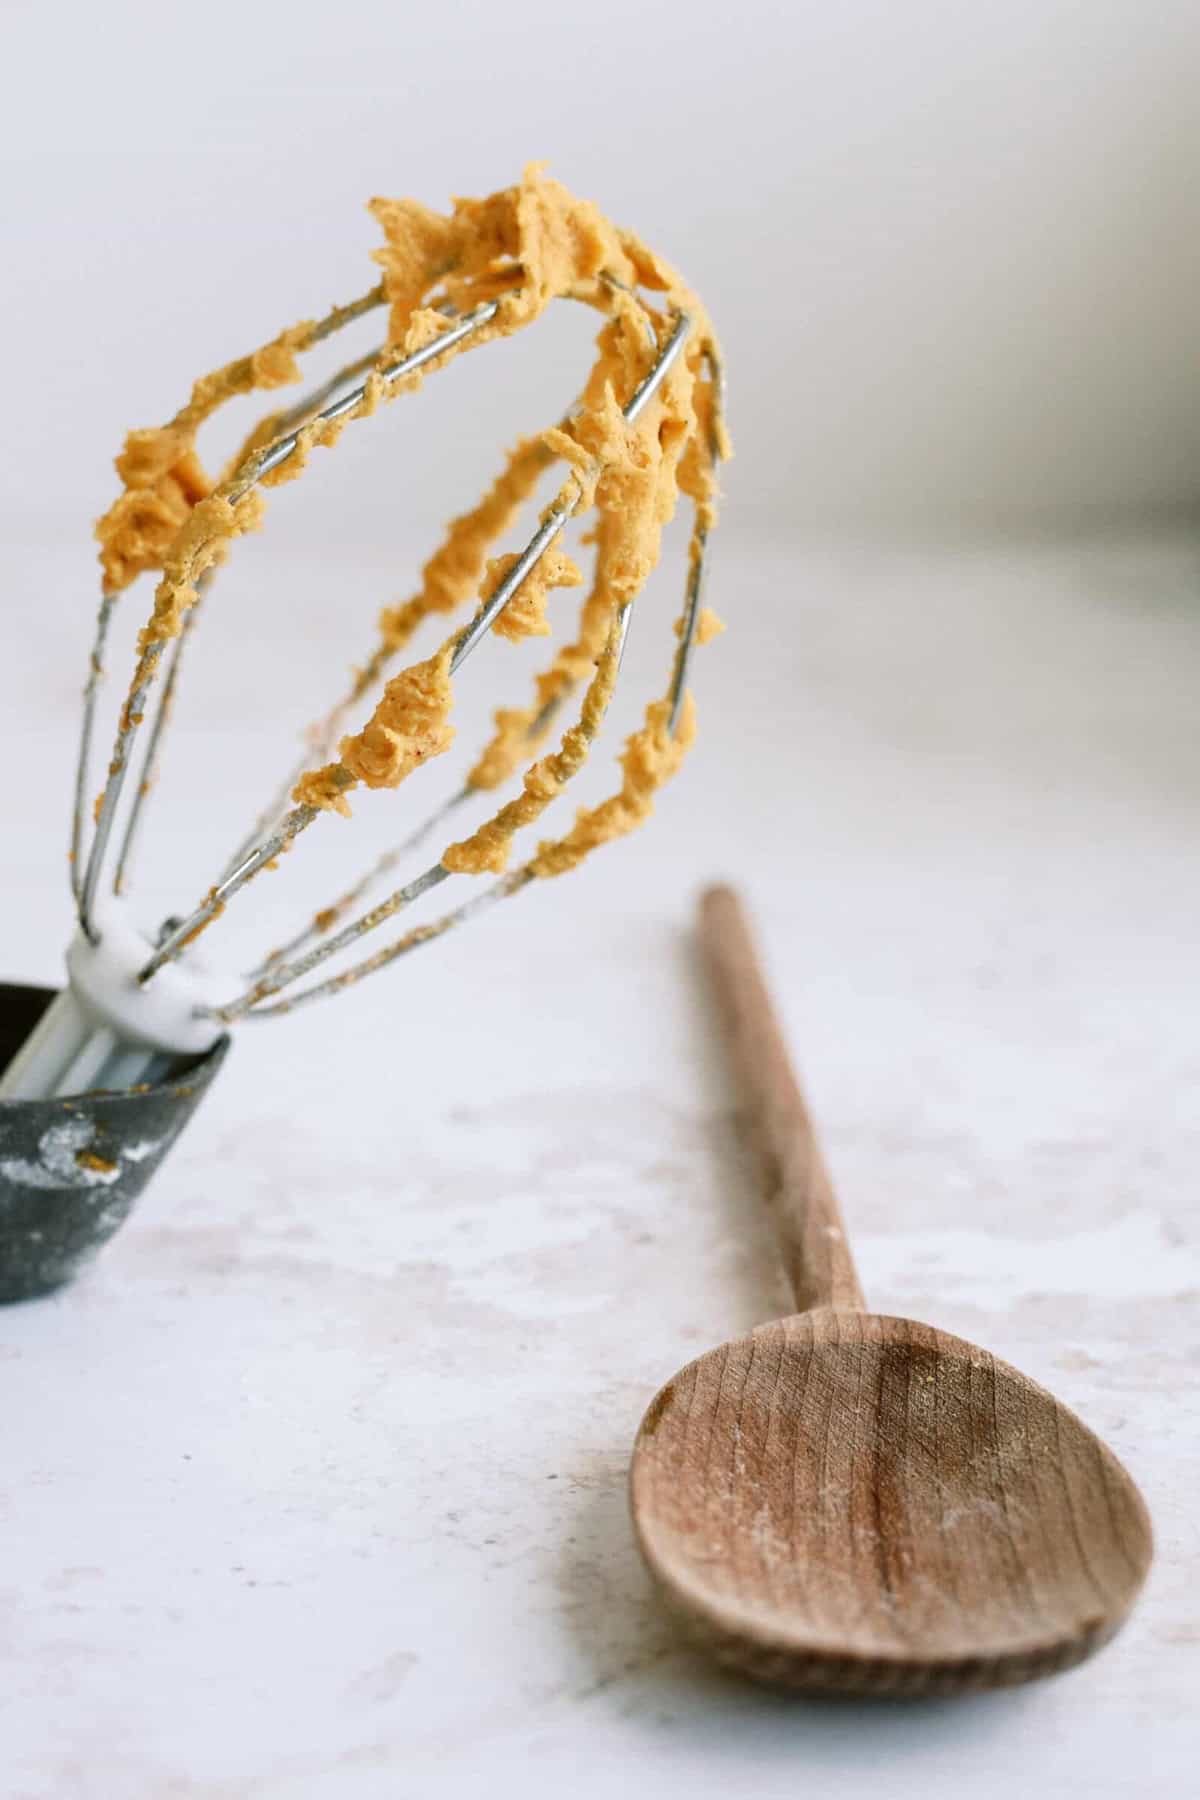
(314, 1486)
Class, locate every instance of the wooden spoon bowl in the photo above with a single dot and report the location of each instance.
(847, 1502)
(858, 1503)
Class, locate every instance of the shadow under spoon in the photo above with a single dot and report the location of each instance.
(848, 1502)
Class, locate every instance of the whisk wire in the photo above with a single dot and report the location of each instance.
(554, 521)
(132, 716)
(264, 461)
(509, 884)
(153, 756)
(691, 619)
(84, 757)
(332, 915)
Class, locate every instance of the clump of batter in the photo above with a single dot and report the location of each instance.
(410, 724)
(708, 626)
(651, 756)
(525, 614)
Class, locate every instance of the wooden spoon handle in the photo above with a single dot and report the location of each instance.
(797, 1183)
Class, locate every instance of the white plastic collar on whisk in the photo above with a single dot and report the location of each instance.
(170, 1012)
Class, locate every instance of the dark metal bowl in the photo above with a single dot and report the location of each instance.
(71, 1169)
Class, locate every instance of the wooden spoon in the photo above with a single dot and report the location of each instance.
(848, 1502)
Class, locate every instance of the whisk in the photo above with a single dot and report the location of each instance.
(143, 1021)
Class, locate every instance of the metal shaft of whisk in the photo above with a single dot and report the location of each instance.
(214, 902)
(84, 756)
(330, 916)
(275, 811)
(691, 619)
(150, 765)
(554, 521)
(284, 446)
(512, 883)
(118, 769)
(312, 402)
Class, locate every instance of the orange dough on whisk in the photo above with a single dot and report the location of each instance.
(525, 614)
(517, 249)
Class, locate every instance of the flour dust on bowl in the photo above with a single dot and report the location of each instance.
(646, 429)
(71, 1168)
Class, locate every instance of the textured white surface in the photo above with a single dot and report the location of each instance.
(313, 1489)
(950, 247)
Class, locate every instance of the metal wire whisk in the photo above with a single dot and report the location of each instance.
(137, 1000)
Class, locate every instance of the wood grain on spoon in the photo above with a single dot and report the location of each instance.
(844, 1501)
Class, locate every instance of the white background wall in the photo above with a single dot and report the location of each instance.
(952, 247)
(953, 251)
